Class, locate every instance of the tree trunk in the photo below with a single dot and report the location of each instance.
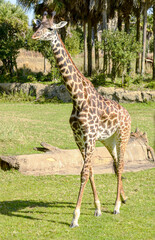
(127, 24)
(105, 15)
(89, 47)
(154, 42)
(138, 40)
(105, 27)
(144, 37)
(44, 65)
(113, 72)
(96, 49)
(119, 20)
(127, 29)
(85, 46)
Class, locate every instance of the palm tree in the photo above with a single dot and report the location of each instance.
(137, 12)
(154, 42)
(146, 4)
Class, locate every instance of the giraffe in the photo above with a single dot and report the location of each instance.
(93, 118)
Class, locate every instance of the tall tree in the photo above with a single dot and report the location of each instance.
(144, 2)
(96, 48)
(137, 12)
(13, 27)
(154, 42)
(105, 27)
(85, 46)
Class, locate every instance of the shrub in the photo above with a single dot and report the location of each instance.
(121, 48)
(13, 26)
(74, 41)
(150, 85)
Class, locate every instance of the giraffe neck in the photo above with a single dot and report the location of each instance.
(75, 82)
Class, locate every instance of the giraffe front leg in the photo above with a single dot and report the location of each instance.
(96, 199)
(76, 216)
(84, 180)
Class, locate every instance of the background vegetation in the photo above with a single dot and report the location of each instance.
(116, 55)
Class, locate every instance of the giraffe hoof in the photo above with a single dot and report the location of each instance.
(116, 212)
(97, 213)
(124, 200)
(73, 225)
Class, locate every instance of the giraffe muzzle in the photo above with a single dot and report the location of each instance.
(35, 36)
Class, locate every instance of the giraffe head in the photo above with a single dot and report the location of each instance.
(47, 29)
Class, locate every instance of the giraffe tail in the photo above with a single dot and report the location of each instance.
(115, 170)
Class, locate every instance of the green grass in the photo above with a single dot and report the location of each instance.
(24, 125)
(39, 208)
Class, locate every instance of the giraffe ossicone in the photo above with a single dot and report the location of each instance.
(93, 117)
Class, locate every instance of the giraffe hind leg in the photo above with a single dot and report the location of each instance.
(110, 144)
(121, 146)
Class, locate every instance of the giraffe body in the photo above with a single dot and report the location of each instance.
(93, 118)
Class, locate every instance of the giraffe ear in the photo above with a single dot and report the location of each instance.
(60, 25)
(37, 22)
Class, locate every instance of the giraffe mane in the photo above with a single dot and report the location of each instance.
(87, 80)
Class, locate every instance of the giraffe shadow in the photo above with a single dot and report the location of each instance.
(26, 209)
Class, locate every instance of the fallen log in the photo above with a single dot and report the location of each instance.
(62, 161)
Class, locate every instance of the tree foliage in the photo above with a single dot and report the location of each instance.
(13, 26)
(121, 48)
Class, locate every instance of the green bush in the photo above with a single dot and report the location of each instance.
(74, 41)
(121, 48)
(138, 80)
(127, 81)
(13, 26)
(31, 78)
(16, 97)
(99, 80)
(151, 85)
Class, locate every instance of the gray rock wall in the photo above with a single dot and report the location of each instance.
(122, 95)
(60, 92)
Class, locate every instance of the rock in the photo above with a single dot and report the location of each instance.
(9, 87)
(118, 95)
(37, 89)
(61, 93)
(132, 96)
(146, 96)
(49, 91)
(57, 91)
(106, 92)
(25, 88)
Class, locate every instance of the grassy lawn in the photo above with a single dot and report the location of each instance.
(24, 125)
(40, 208)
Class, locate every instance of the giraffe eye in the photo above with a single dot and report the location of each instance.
(51, 29)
